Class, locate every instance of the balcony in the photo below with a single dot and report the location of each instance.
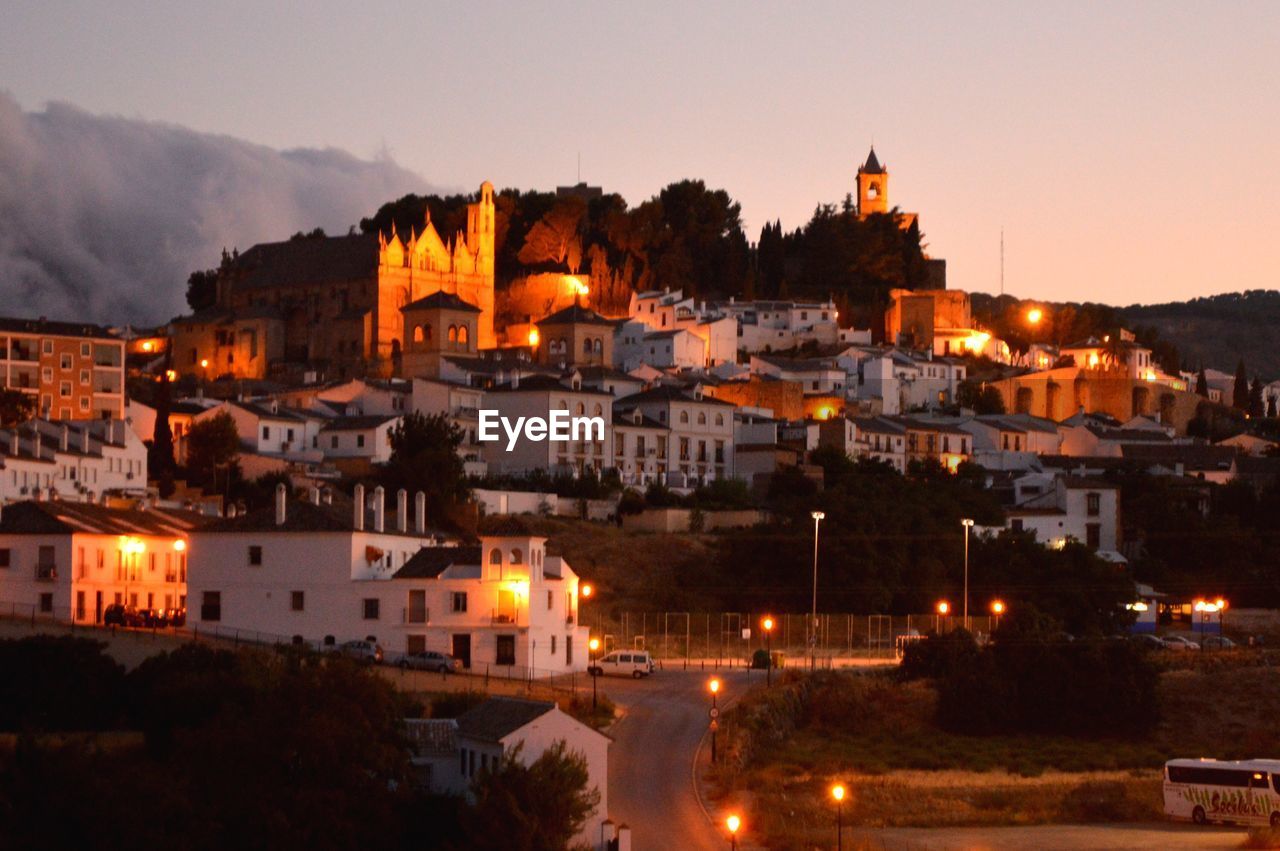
(505, 616)
(46, 572)
(412, 614)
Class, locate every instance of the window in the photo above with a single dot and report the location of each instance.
(64, 389)
(266, 432)
(297, 601)
(360, 441)
(333, 442)
(5, 557)
(462, 334)
(46, 602)
(516, 556)
(1016, 524)
(553, 645)
(549, 599)
(702, 418)
(47, 347)
(255, 555)
(415, 644)
(65, 361)
(371, 608)
(684, 417)
(506, 651)
(1094, 503)
(417, 607)
(211, 606)
(459, 601)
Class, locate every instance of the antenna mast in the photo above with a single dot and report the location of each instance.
(1002, 260)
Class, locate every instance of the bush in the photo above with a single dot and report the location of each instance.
(760, 659)
(938, 655)
(1102, 801)
(58, 683)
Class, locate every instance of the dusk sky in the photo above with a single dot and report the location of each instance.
(1130, 151)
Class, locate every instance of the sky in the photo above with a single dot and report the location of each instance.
(1127, 150)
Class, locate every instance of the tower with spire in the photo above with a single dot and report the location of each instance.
(873, 186)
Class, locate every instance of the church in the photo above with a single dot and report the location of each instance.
(336, 303)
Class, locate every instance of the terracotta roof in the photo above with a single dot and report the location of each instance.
(430, 562)
(499, 717)
(57, 517)
(441, 300)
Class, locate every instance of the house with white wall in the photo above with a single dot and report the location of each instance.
(364, 438)
(69, 561)
(455, 752)
(1075, 508)
(332, 571)
(537, 396)
(700, 443)
(75, 459)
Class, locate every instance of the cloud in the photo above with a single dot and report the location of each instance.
(103, 218)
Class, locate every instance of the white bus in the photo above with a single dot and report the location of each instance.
(1205, 790)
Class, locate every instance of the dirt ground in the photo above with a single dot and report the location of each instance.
(1047, 838)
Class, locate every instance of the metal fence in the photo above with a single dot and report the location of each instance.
(728, 638)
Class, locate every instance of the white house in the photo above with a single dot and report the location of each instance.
(701, 432)
(453, 753)
(75, 459)
(68, 561)
(332, 572)
(366, 437)
(814, 375)
(537, 396)
(1076, 508)
(881, 439)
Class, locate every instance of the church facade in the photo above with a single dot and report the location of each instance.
(335, 303)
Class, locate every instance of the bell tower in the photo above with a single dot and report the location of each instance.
(873, 187)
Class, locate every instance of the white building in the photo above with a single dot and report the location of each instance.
(1076, 508)
(774, 326)
(671, 311)
(71, 560)
(76, 459)
(814, 375)
(334, 573)
(537, 396)
(453, 753)
(701, 432)
(367, 438)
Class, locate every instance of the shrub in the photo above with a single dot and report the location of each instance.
(938, 655)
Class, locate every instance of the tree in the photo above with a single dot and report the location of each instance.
(535, 807)
(16, 407)
(981, 398)
(1257, 408)
(211, 444)
(424, 457)
(202, 285)
(1115, 350)
(1202, 383)
(1240, 388)
(160, 461)
(554, 238)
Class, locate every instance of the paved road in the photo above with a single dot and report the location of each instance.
(651, 760)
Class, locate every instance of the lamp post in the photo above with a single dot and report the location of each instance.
(713, 685)
(592, 646)
(997, 609)
(733, 822)
(584, 592)
(767, 624)
(837, 792)
(818, 517)
(943, 608)
(967, 523)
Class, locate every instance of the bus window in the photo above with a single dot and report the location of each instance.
(1275, 783)
(1259, 780)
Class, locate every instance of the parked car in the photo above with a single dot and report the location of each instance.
(1178, 642)
(118, 614)
(1148, 641)
(1218, 642)
(430, 660)
(623, 663)
(362, 651)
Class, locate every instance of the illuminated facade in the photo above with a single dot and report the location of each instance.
(69, 561)
(70, 370)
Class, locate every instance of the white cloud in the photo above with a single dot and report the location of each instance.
(103, 218)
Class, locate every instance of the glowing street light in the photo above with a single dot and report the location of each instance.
(592, 646)
(1034, 315)
(713, 685)
(837, 794)
(943, 607)
(179, 545)
(767, 625)
(586, 590)
(733, 822)
(818, 517)
(997, 609)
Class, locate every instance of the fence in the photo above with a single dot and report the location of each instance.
(727, 638)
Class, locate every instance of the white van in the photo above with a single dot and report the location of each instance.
(623, 663)
(1205, 790)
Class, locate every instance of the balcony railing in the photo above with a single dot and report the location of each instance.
(505, 616)
(413, 615)
(46, 572)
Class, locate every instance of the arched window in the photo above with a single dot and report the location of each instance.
(582, 409)
(453, 333)
(719, 419)
(426, 332)
(597, 410)
(598, 345)
(417, 334)
(462, 334)
(702, 418)
(495, 556)
(517, 557)
(586, 345)
(684, 417)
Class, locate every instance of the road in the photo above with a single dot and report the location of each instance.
(651, 760)
(1075, 837)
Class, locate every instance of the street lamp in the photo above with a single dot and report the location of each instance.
(967, 524)
(837, 792)
(1034, 315)
(818, 517)
(733, 823)
(714, 686)
(584, 593)
(592, 646)
(767, 624)
(943, 608)
(997, 609)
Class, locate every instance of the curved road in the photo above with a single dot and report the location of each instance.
(651, 761)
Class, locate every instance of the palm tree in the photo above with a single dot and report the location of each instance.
(1115, 351)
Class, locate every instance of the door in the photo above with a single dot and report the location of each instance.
(97, 607)
(506, 653)
(462, 649)
(568, 651)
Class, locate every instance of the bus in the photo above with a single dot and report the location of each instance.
(1209, 790)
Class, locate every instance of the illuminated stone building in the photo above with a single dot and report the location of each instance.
(335, 303)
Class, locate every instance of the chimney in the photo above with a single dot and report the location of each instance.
(315, 495)
(282, 501)
(402, 511)
(66, 437)
(359, 498)
(84, 440)
(420, 513)
(379, 509)
(13, 442)
(35, 440)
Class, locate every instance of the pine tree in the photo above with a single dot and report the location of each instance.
(1257, 407)
(160, 456)
(1240, 389)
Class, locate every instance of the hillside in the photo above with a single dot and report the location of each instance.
(1220, 330)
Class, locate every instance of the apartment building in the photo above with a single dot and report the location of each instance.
(71, 370)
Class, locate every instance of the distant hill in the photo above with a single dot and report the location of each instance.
(1219, 330)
